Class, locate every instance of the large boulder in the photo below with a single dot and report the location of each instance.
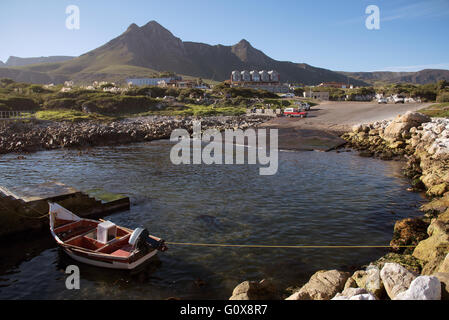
(444, 279)
(439, 204)
(370, 280)
(408, 232)
(396, 279)
(402, 124)
(323, 285)
(433, 250)
(422, 288)
(437, 190)
(253, 290)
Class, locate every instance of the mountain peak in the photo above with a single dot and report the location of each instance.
(153, 25)
(132, 27)
(243, 43)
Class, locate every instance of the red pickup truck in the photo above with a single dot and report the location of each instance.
(294, 112)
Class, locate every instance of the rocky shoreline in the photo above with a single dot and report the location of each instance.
(43, 135)
(417, 268)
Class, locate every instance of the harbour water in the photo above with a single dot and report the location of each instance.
(316, 198)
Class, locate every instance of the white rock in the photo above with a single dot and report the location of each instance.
(396, 278)
(365, 296)
(422, 288)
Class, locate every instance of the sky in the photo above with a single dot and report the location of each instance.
(413, 35)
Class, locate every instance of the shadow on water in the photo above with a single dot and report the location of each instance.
(16, 251)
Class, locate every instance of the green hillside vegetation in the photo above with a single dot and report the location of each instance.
(437, 91)
(439, 110)
(82, 104)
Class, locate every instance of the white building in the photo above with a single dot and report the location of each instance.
(319, 95)
(149, 81)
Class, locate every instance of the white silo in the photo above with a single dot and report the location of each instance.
(255, 77)
(264, 76)
(246, 76)
(236, 76)
(274, 76)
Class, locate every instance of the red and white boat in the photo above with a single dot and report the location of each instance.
(102, 243)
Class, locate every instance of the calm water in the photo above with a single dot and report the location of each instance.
(315, 199)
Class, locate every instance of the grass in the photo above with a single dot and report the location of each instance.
(198, 111)
(438, 110)
(69, 115)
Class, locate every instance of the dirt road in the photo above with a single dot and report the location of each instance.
(326, 121)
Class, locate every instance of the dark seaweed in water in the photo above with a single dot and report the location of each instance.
(315, 199)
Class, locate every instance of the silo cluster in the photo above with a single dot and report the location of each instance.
(255, 76)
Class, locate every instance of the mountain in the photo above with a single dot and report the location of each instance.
(1, 64)
(419, 77)
(147, 50)
(18, 62)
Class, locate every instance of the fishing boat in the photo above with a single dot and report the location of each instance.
(102, 243)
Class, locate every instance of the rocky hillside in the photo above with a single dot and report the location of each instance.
(420, 77)
(18, 62)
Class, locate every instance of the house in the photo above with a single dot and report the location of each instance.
(333, 84)
(319, 95)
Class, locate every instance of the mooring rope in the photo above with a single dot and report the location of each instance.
(282, 246)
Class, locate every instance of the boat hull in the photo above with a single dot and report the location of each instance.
(110, 264)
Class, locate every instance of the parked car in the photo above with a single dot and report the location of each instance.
(382, 100)
(288, 95)
(295, 112)
(398, 100)
(305, 106)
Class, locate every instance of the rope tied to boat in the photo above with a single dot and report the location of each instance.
(284, 246)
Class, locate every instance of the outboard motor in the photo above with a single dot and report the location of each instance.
(141, 238)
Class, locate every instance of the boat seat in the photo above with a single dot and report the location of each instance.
(124, 251)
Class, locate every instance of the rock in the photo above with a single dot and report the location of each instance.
(253, 290)
(360, 278)
(373, 282)
(323, 285)
(403, 124)
(444, 267)
(406, 260)
(349, 293)
(396, 278)
(439, 204)
(397, 144)
(408, 232)
(366, 296)
(422, 288)
(437, 190)
(350, 283)
(444, 280)
(433, 249)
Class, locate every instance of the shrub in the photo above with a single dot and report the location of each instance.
(443, 97)
(64, 103)
(19, 104)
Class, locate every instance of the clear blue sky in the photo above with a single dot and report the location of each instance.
(331, 34)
